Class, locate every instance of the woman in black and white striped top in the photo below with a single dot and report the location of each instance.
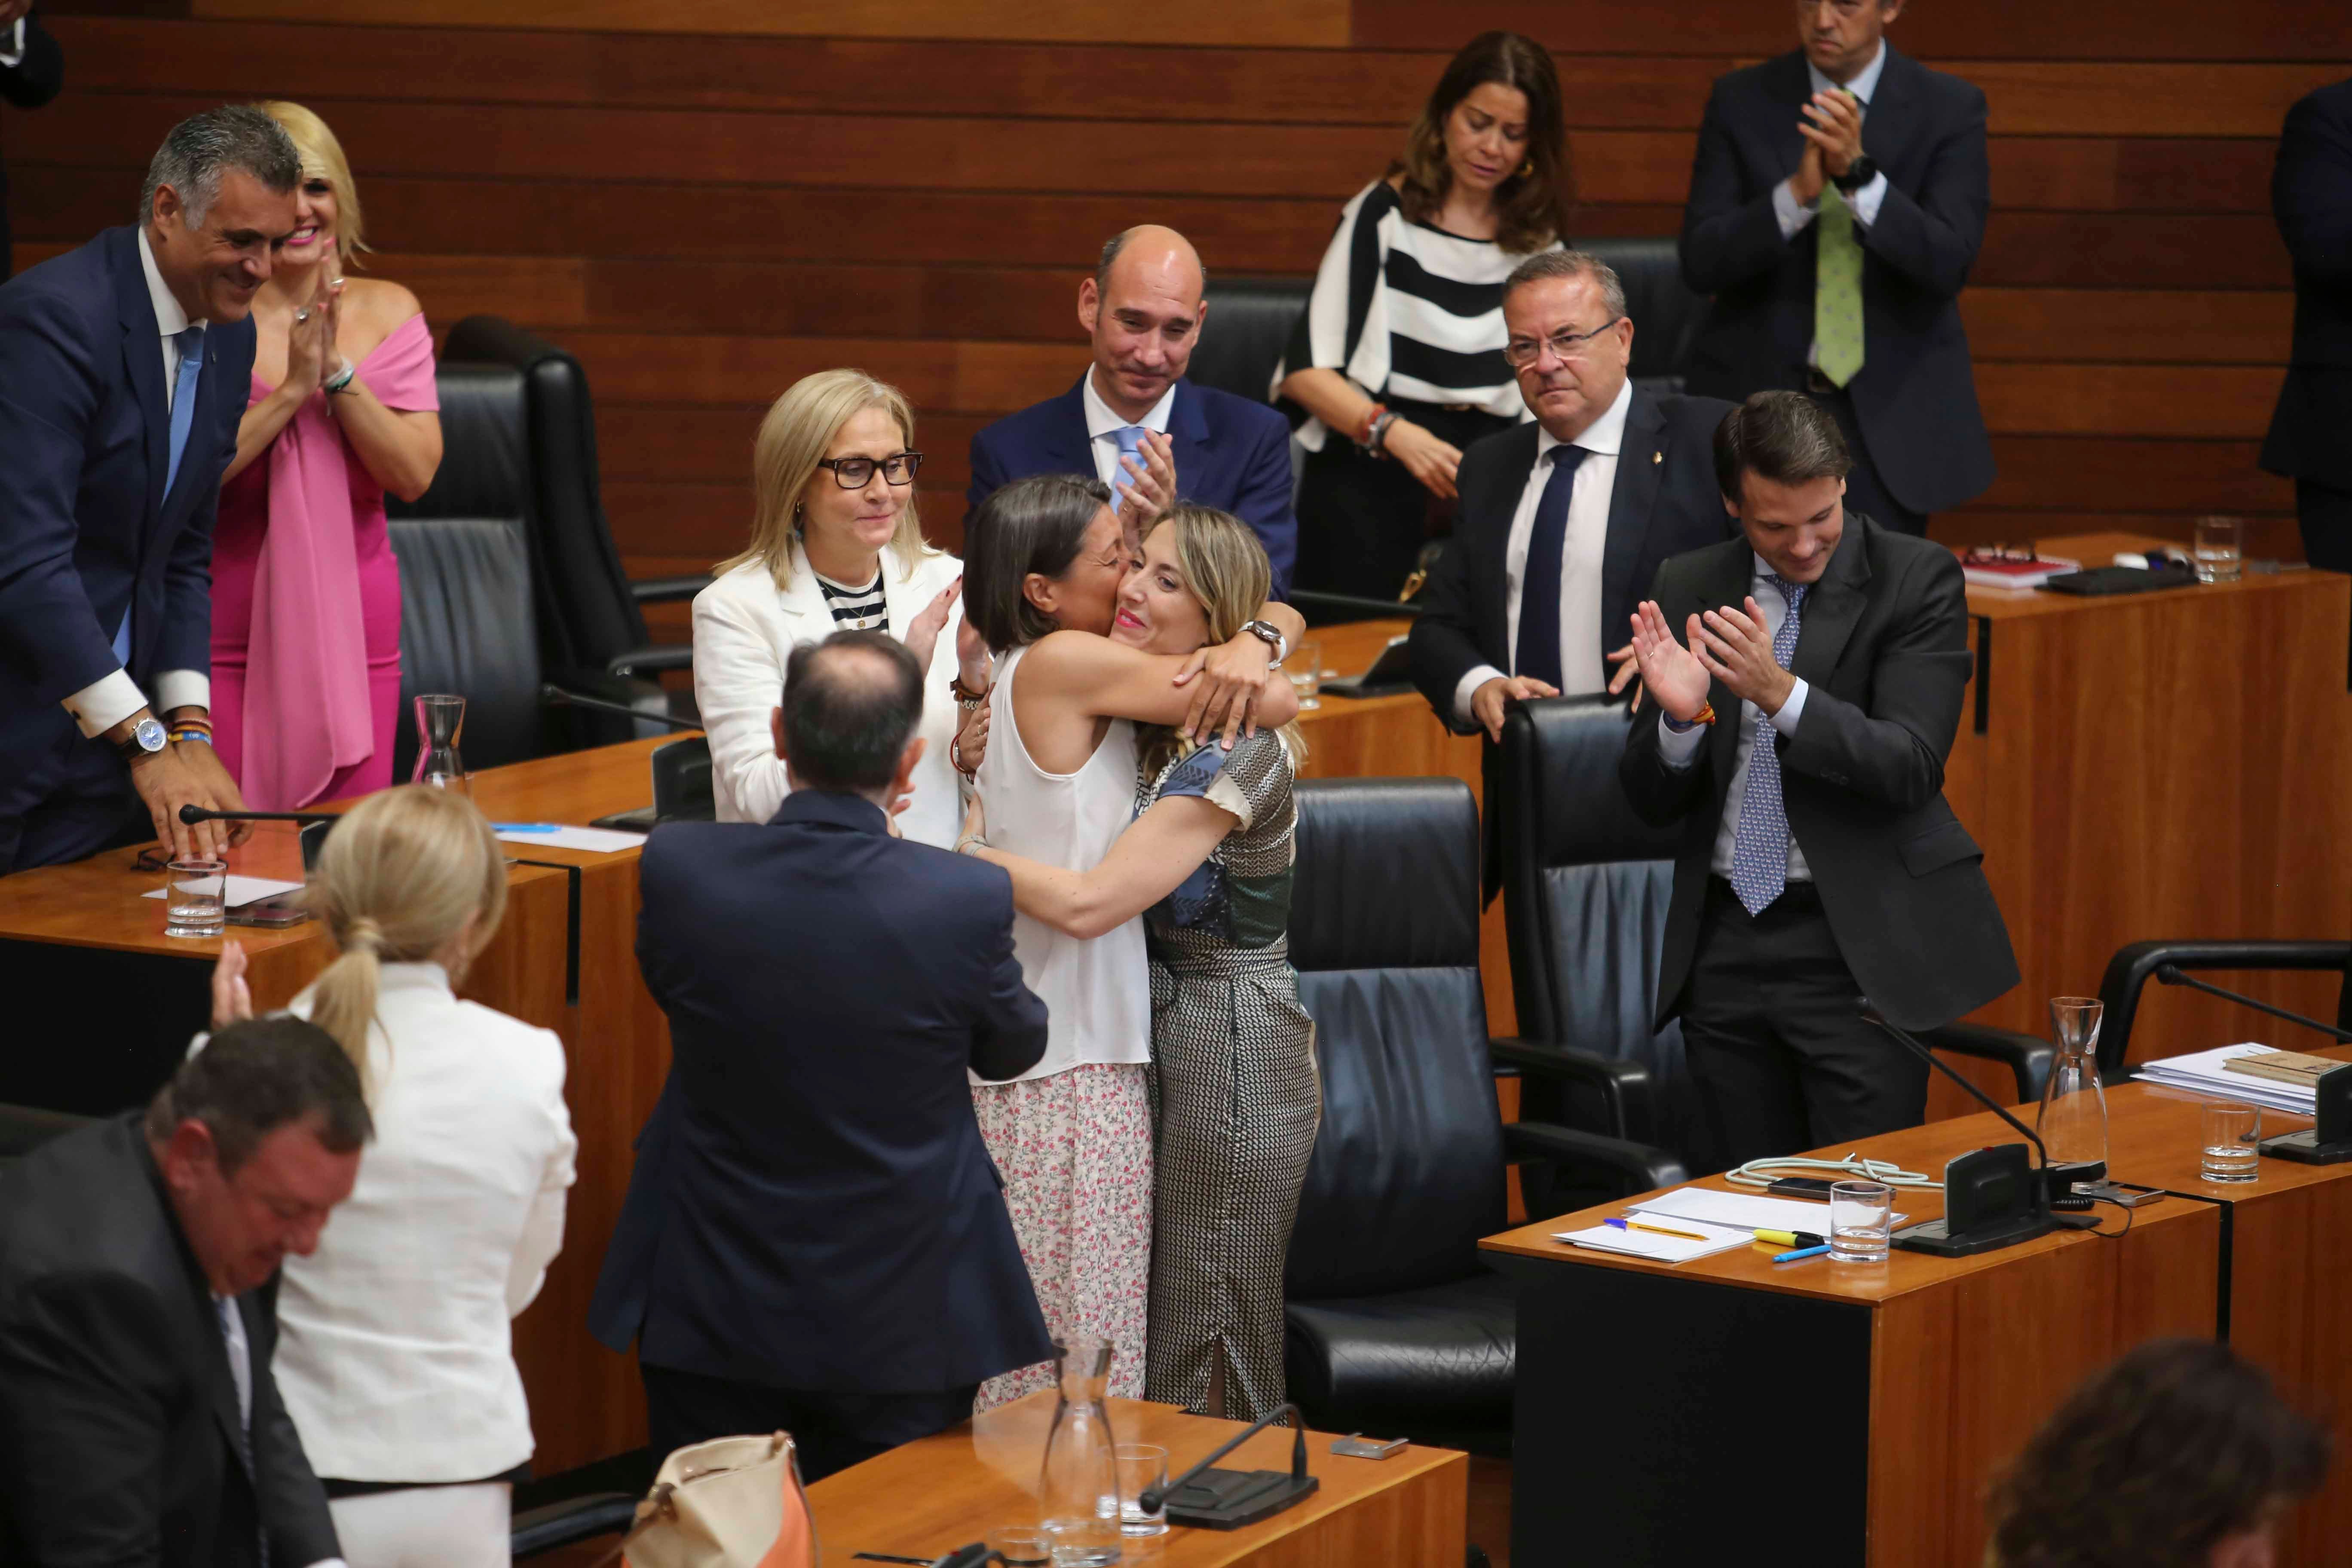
(1400, 356)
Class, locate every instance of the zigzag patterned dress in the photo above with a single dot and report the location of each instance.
(1235, 1097)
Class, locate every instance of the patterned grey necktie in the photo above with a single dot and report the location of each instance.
(1759, 852)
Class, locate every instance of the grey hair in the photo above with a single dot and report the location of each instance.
(1545, 265)
(1783, 437)
(1118, 242)
(196, 152)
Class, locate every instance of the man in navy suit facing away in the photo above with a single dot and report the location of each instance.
(816, 1241)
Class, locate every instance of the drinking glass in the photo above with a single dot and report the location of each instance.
(1862, 1214)
(2221, 549)
(440, 721)
(1142, 1467)
(1021, 1545)
(2227, 1150)
(196, 897)
(1306, 669)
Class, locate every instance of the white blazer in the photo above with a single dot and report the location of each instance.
(743, 632)
(392, 1352)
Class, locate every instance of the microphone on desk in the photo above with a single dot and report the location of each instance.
(554, 696)
(1227, 1500)
(1992, 1197)
(312, 835)
(2329, 1140)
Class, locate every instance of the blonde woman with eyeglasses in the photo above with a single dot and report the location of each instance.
(393, 1355)
(836, 545)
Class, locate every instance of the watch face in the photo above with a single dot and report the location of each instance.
(149, 734)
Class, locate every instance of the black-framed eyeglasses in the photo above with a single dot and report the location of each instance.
(856, 473)
(1521, 352)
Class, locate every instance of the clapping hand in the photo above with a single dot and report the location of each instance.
(1150, 487)
(310, 355)
(1673, 675)
(923, 631)
(1832, 127)
(1735, 647)
(1626, 670)
(232, 997)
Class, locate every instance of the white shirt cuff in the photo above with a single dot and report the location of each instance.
(1785, 720)
(1793, 214)
(102, 705)
(182, 688)
(330, 1562)
(1864, 202)
(1679, 748)
(14, 53)
(1469, 688)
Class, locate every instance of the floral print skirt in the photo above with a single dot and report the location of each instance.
(1075, 1150)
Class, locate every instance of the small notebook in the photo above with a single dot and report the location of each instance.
(1657, 1248)
(2283, 1067)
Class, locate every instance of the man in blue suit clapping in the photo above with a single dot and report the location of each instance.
(125, 368)
(1143, 310)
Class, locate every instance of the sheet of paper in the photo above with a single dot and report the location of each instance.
(243, 891)
(2202, 1072)
(1741, 1210)
(1658, 1248)
(596, 840)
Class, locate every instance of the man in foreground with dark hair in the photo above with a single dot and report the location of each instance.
(814, 1240)
(2181, 1455)
(139, 1421)
(1802, 733)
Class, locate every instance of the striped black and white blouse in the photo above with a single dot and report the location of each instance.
(1406, 310)
(855, 610)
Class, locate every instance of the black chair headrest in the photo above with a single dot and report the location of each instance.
(1667, 314)
(485, 446)
(1563, 804)
(1388, 875)
(1246, 326)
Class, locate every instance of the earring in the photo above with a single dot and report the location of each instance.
(1527, 168)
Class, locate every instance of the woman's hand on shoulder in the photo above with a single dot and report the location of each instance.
(1231, 683)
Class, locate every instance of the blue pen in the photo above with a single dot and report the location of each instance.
(527, 827)
(1801, 1252)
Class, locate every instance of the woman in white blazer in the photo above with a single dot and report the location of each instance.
(836, 546)
(394, 1355)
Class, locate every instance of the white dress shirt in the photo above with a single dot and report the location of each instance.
(1104, 424)
(394, 1357)
(1795, 215)
(240, 1361)
(1581, 667)
(109, 700)
(744, 629)
(1680, 749)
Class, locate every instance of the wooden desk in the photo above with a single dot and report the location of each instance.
(2159, 765)
(930, 1497)
(1667, 1413)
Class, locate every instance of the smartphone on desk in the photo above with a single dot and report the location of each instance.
(1811, 1187)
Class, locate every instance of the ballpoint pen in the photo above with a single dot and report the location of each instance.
(1801, 1252)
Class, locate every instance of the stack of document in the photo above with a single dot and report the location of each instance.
(2203, 1072)
(1739, 1211)
(1656, 1246)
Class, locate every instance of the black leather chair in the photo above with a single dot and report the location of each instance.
(24, 1128)
(1395, 1326)
(591, 615)
(2133, 966)
(468, 616)
(1586, 888)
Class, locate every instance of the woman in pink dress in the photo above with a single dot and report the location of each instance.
(306, 594)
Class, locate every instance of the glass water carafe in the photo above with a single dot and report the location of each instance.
(1078, 1497)
(439, 722)
(2073, 1122)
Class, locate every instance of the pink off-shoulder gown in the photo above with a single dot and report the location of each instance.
(306, 601)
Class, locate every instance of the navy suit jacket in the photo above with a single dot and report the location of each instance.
(1914, 396)
(813, 1207)
(1230, 453)
(120, 1432)
(86, 530)
(2311, 195)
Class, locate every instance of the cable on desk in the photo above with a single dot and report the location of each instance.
(1760, 1173)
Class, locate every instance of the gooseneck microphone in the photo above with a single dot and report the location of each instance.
(192, 815)
(1227, 1500)
(2170, 974)
(554, 696)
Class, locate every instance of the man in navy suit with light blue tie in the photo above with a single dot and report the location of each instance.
(124, 367)
(1134, 416)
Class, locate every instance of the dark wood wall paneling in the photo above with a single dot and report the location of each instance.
(703, 215)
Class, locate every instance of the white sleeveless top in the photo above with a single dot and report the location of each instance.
(1097, 994)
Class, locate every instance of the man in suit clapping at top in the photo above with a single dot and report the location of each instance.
(125, 369)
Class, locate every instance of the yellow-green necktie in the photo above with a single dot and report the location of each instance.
(1837, 289)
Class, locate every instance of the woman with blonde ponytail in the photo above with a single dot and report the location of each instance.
(401, 1315)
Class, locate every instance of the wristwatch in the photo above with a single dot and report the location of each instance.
(1858, 173)
(145, 740)
(1271, 634)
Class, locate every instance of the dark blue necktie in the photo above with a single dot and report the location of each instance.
(1537, 657)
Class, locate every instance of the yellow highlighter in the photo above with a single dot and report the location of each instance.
(1792, 1237)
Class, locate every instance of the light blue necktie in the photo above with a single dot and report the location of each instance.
(1760, 851)
(1130, 445)
(183, 418)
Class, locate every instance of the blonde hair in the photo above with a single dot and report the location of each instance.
(399, 876)
(322, 158)
(1224, 567)
(792, 438)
